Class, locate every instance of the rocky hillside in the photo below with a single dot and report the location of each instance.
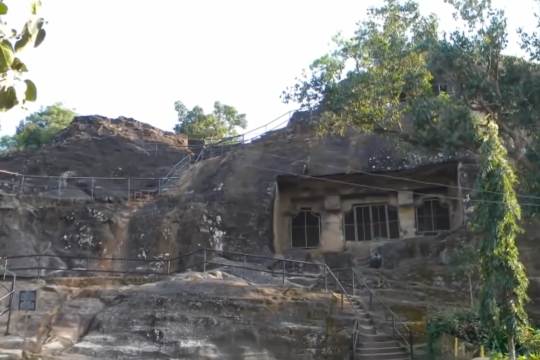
(224, 202)
(98, 146)
(188, 316)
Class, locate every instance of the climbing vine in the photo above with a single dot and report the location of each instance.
(496, 219)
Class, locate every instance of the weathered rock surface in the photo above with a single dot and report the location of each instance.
(98, 146)
(224, 202)
(188, 316)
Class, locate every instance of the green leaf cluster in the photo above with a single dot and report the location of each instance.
(38, 128)
(371, 80)
(15, 88)
(467, 326)
(463, 324)
(222, 122)
(399, 75)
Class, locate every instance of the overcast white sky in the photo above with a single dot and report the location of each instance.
(135, 58)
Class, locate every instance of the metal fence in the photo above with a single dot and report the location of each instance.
(7, 290)
(109, 189)
(203, 259)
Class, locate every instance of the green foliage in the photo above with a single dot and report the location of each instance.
(371, 80)
(222, 122)
(7, 143)
(499, 356)
(467, 326)
(531, 342)
(470, 10)
(463, 324)
(496, 219)
(382, 79)
(38, 128)
(530, 42)
(14, 87)
(443, 122)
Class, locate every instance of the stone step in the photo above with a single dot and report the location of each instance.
(11, 342)
(383, 356)
(349, 319)
(373, 344)
(379, 350)
(10, 354)
(367, 337)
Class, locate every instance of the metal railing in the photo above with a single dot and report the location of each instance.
(43, 266)
(7, 297)
(400, 330)
(175, 169)
(82, 188)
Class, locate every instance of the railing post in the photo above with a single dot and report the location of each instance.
(38, 270)
(128, 188)
(204, 260)
(168, 266)
(353, 288)
(21, 190)
(284, 272)
(92, 187)
(325, 278)
(5, 268)
(411, 344)
(10, 304)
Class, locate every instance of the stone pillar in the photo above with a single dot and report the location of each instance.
(332, 237)
(406, 210)
(331, 232)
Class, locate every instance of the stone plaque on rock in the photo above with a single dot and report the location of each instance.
(27, 300)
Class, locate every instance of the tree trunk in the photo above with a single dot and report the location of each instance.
(511, 348)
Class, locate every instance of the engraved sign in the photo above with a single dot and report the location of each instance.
(27, 300)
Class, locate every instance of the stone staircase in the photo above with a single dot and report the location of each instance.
(374, 343)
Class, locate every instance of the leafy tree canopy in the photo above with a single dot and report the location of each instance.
(15, 88)
(222, 122)
(368, 81)
(38, 128)
(399, 74)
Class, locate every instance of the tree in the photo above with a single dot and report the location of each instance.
(40, 127)
(7, 143)
(384, 79)
(496, 218)
(222, 122)
(530, 42)
(14, 87)
(371, 80)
